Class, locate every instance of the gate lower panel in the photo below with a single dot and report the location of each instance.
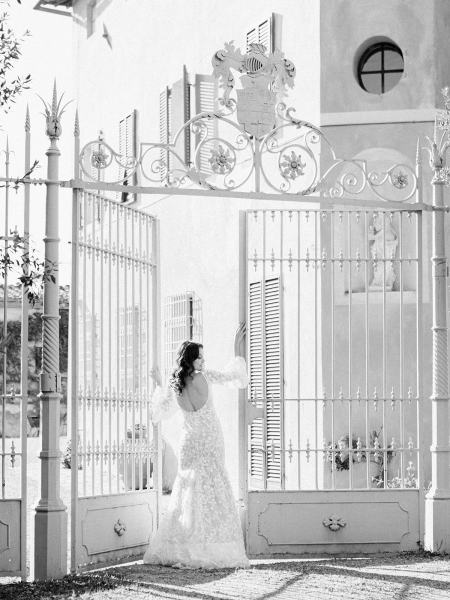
(282, 522)
(10, 517)
(112, 528)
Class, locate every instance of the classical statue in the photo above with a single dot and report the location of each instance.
(383, 246)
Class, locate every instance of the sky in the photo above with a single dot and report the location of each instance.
(46, 55)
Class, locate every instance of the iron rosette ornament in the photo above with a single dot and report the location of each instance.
(288, 154)
(352, 178)
(100, 162)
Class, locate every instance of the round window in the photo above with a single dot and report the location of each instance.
(380, 67)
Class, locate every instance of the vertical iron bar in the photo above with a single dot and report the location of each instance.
(282, 411)
(419, 367)
(74, 350)
(316, 345)
(263, 354)
(119, 456)
(299, 304)
(133, 353)
(94, 399)
(24, 358)
(84, 295)
(156, 348)
(366, 352)
(350, 383)
(5, 319)
(102, 206)
(401, 382)
(332, 251)
(384, 437)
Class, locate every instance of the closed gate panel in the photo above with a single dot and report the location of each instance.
(335, 346)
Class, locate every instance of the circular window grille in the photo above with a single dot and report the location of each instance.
(380, 67)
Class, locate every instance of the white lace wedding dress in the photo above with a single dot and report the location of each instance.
(201, 528)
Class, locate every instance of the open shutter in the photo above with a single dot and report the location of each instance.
(164, 131)
(265, 343)
(179, 115)
(273, 380)
(205, 101)
(256, 442)
(128, 148)
(187, 116)
(267, 32)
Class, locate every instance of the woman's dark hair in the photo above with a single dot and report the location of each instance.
(187, 353)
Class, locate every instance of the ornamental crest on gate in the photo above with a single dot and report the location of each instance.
(265, 76)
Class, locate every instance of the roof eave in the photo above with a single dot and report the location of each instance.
(52, 6)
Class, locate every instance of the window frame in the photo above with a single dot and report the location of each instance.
(371, 51)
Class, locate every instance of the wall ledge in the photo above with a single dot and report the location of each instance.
(369, 117)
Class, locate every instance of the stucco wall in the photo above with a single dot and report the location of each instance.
(419, 28)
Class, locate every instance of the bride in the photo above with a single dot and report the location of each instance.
(201, 528)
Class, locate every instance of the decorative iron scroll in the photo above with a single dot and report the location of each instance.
(258, 144)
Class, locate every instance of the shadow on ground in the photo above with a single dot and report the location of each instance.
(271, 579)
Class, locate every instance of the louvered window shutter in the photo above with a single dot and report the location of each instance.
(164, 131)
(267, 32)
(182, 321)
(205, 101)
(266, 433)
(128, 148)
(179, 115)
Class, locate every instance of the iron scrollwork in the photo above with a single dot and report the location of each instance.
(252, 142)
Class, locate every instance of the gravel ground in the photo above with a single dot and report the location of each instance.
(388, 576)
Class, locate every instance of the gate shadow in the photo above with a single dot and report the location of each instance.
(259, 582)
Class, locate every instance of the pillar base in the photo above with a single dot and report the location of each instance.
(50, 556)
(437, 523)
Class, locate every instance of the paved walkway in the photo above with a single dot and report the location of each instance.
(390, 577)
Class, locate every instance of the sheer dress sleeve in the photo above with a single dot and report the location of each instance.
(163, 403)
(234, 374)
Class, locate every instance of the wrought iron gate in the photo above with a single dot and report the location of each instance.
(115, 337)
(334, 342)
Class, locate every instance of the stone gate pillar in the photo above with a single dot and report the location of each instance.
(437, 501)
(50, 544)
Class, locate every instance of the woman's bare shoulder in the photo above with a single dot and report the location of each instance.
(198, 381)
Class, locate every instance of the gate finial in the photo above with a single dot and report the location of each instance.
(53, 113)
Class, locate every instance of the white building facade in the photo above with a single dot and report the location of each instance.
(327, 292)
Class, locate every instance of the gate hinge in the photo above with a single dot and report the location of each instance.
(50, 382)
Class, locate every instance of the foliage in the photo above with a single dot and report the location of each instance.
(340, 455)
(68, 587)
(18, 258)
(10, 52)
(67, 457)
(11, 349)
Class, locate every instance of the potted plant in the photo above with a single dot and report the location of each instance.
(339, 455)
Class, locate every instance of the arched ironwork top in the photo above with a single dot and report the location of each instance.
(252, 143)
